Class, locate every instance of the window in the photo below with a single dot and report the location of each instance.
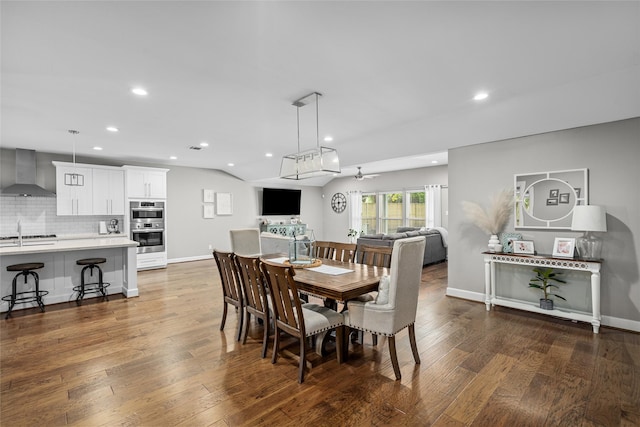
(415, 213)
(369, 213)
(391, 212)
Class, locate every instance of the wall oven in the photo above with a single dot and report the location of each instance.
(147, 221)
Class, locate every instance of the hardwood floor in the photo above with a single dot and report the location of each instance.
(160, 360)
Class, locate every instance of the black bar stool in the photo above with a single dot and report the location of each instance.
(94, 287)
(36, 295)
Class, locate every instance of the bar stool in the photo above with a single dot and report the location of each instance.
(36, 295)
(94, 287)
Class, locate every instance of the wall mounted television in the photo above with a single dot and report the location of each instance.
(280, 201)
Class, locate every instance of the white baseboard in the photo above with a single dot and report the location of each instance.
(187, 259)
(614, 322)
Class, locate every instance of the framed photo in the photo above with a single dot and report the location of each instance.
(564, 247)
(224, 204)
(552, 202)
(207, 196)
(564, 198)
(507, 240)
(523, 247)
(553, 194)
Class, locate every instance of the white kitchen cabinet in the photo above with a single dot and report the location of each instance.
(74, 189)
(146, 183)
(108, 191)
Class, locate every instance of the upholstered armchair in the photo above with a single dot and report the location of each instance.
(245, 241)
(392, 312)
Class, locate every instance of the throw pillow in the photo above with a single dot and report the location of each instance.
(383, 291)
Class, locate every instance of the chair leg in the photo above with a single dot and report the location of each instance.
(265, 338)
(394, 356)
(414, 346)
(240, 323)
(276, 345)
(247, 322)
(224, 316)
(303, 359)
(374, 339)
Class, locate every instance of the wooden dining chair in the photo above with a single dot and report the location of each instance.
(296, 319)
(378, 256)
(388, 316)
(345, 252)
(256, 301)
(324, 249)
(231, 287)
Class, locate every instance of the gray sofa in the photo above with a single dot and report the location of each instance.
(435, 250)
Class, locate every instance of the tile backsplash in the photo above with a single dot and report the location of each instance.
(38, 216)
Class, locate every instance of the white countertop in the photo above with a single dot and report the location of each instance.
(64, 245)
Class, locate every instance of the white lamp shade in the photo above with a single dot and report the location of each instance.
(589, 218)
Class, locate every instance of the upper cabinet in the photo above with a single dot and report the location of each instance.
(146, 183)
(108, 191)
(74, 191)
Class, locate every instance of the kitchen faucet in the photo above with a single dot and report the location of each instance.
(19, 233)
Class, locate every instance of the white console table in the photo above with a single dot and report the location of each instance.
(592, 266)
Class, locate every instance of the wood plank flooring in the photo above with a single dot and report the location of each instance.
(161, 360)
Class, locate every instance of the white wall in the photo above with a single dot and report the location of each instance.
(610, 151)
(336, 225)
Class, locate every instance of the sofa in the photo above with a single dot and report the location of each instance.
(434, 252)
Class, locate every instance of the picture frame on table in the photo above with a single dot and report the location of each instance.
(507, 240)
(564, 247)
(525, 247)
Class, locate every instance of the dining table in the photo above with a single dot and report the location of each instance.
(334, 281)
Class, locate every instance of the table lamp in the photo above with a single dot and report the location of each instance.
(589, 218)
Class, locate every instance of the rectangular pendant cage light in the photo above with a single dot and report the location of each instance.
(310, 163)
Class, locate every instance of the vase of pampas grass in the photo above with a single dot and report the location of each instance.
(493, 220)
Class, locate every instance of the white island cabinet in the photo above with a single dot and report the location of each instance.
(146, 183)
(61, 274)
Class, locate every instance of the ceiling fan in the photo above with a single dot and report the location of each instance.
(360, 176)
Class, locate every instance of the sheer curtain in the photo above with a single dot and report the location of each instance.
(433, 209)
(355, 210)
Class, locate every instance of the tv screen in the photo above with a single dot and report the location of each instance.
(279, 201)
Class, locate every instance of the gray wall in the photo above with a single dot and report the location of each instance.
(336, 225)
(610, 151)
(188, 233)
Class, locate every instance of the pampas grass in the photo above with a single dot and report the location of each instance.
(495, 219)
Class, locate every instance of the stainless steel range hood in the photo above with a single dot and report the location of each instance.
(26, 177)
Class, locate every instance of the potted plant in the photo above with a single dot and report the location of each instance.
(353, 235)
(543, 280)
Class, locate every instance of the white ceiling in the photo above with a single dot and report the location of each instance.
(397, 78)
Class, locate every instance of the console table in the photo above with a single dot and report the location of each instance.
(547, 261)
(285, 229)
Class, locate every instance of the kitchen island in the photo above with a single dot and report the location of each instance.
(60, 273)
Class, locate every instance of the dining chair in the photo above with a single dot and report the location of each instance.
(324, 249)
(256, 301)
(344, 252)
(296, 319)
(389, 317)
(379, 256)
(231, 287)
(245, 241)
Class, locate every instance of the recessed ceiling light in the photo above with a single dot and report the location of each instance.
(328, 138)
(480, 96)
(112, 129)
(230, 164)
(97, 148)
(139, 91)
(173, 158)
(434, 161)
(269, 155)
(204, 144)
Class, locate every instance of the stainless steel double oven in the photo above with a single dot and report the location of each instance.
(147, 220)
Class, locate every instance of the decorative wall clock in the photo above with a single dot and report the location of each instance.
(338, 202)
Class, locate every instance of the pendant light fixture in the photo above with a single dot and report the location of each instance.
(313, 162)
